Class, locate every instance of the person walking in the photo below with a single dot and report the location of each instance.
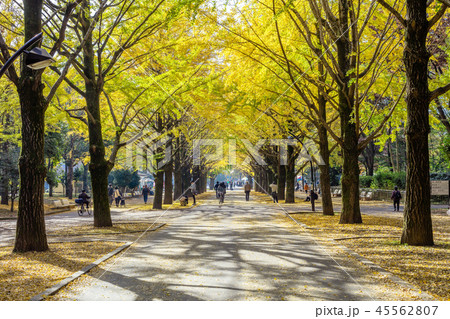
(396, 196)
(145, 192)
(306, 188)
(221, 191)
(193, 189)
(111, 194)
(215, 187)
(274, 188)
(247, 189)
(117, 196)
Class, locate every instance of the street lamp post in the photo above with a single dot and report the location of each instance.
(36, 58)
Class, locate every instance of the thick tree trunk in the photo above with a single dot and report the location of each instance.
(159, 181)
(290, 176)
(325, 185)
(351, 213)
(327, 203)
(30, 230)
(417, 225)
(168, 184)
(99, 167)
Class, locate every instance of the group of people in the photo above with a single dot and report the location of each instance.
(221, 190)
(115, 194)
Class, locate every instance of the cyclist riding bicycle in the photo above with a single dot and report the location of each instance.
(221, 191)
(85, 197)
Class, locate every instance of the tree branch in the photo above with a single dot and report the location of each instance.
(439, 91)
(393, 11)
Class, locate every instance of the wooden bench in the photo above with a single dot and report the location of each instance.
(62, 205)
(369, 196)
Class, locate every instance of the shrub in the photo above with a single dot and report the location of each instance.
(385, 179)
(365, 181)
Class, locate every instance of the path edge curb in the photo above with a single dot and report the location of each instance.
(55, 288)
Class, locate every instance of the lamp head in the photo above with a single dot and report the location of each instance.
(38, 58)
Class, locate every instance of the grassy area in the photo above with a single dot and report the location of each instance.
(24, 275)
(378, 239)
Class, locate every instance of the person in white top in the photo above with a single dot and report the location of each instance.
(193, 189)
(274, 188)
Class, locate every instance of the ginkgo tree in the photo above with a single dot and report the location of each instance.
(30, 234)
(108, 52)
(332, 63)
(420, 19)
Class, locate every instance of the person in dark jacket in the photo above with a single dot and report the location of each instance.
(145, 192)
(85, 197)
(396, 196)
(215, 187)
(247, 189)
(111, 194)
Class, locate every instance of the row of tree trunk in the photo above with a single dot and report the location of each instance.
(173, 179)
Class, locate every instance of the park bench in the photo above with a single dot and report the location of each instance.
(369, 196)
(61, 205)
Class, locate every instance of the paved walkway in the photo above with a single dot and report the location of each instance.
(237, 251)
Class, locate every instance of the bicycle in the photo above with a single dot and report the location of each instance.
(221, 197)
(83, 209)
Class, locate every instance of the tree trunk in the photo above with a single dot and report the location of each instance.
(290, 176)
(99, 167)
(50, 186)
(327, 203)
(158, 198)
(281, 181)
(168, 184)
(325, 185)
(178, 180)
(369, 158)
(85, 177)
(211, 182)
(69, 170)
(417, 225)
(351, 213)
(350, 172)
(4, 187)
(30, 230)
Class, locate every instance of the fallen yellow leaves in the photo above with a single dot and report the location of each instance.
(117, 228)
(377, 239)
(23, 275)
